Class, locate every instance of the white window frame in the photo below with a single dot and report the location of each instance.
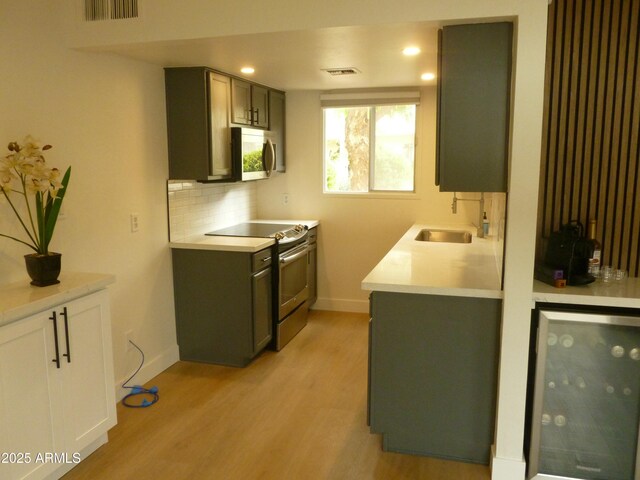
(369, 99)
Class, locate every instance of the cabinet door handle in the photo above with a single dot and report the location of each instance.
(55, 338)
(66, 334)
(268, 157)
(257, 122)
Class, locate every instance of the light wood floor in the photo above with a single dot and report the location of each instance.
(296, 414)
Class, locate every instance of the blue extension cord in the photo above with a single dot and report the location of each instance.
(138, 389)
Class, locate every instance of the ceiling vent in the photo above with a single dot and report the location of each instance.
(110, 9)
(341, 71)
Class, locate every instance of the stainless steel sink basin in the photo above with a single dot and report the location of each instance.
(444, 236)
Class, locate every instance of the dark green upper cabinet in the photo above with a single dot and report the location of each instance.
(198, 119)
(277, 114)
(202, 106)
(250, 104)
(474, 82)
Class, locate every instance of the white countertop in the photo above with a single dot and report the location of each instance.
(620, 293)
(20, 299)
(236, 244)
(456, 269)
(232, 244)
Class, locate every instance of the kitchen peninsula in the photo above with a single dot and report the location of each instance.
(434, 342)
(436, 312)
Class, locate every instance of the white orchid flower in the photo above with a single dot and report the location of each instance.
(24, 171)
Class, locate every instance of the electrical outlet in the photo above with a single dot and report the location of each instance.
(285, 198)
(134, 223)
(128, 335)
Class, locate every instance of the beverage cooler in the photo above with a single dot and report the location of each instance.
(586, 398)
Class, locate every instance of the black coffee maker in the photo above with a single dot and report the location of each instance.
(569, 250)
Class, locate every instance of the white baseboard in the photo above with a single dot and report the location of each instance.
(150, 369)
(341, 305)
(507, 468)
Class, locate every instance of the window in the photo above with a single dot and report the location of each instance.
(369, 148)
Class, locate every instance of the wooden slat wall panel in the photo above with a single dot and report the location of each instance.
(590, 165)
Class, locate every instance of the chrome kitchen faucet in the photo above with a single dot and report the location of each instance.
(454, 209)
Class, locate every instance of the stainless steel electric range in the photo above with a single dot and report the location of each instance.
(290, 276)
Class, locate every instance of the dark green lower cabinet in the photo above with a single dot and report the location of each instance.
(433, 367)
(224, 306)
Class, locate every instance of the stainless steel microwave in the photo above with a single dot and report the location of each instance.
(252, 153)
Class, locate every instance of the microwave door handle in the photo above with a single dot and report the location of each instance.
(268, 157)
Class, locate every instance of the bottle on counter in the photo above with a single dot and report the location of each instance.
(595, 249)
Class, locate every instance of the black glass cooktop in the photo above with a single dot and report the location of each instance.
(252, 230)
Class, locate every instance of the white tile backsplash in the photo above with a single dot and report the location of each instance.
(197, 208)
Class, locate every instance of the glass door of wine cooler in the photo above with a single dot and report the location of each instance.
(586, 408)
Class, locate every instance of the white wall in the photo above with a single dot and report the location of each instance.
(355, 232)
(105, 117)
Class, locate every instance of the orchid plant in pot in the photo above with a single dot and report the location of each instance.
(33, 187)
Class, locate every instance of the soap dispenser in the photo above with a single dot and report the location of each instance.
(485, 224)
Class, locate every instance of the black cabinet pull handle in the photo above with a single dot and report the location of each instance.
(55, 337)
(66, 334)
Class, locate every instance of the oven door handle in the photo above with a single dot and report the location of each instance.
(285, 259)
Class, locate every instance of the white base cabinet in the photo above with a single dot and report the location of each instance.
(57, 393)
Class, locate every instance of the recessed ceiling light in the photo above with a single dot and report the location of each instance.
(248, 70)
(411, 51)
(428, 76)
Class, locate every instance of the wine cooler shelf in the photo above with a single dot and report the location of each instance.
(586, 407)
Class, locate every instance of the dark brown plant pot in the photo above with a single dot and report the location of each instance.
(43, 269)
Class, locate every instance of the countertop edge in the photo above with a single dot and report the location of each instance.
(72, 285)
(222, 247)
(426, 290)
(624, 293)
(235, 244)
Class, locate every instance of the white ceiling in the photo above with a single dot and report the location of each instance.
(294, 60)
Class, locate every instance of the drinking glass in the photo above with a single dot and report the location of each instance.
(619, 274)
(607, 274)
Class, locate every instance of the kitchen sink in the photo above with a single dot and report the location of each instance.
(444, 236)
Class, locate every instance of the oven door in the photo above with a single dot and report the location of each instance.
(293, 283)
